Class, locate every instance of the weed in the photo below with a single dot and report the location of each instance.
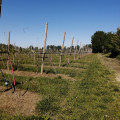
(47, 105)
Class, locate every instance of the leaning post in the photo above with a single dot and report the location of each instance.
(62, 49)
(43, 56)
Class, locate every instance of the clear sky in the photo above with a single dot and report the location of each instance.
(26, 20)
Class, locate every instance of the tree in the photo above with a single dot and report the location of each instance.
(36, 48)
(98, 41)
(115, 44)
(106, 42)
(58, 47)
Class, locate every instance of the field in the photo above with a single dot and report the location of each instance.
(86, 89)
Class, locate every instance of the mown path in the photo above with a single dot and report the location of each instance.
(112, 64)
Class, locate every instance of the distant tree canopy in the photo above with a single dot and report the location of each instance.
(53, 47)
(98, 41)
(106, 42)
(49, 48)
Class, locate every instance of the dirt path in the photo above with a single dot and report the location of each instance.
(111, 63)
(35, 75)
(15, 103)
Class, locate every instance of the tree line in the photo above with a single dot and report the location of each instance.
(49, 48)
(106, 42)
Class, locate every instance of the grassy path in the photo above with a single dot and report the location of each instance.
(112, 64)
(93, 95)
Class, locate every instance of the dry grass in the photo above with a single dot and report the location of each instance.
(35, 75)
(15, 103)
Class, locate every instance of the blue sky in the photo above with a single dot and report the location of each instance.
(26, 20)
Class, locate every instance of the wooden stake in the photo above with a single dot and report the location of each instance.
(42, 65)
(62, 50)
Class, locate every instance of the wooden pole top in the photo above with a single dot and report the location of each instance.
(63, 41)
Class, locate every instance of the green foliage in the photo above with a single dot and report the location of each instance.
(98, 41)
(106, 42)
(115, 43)
(118, 57)
(95, 96)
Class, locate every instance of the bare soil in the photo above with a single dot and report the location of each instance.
(15, 103)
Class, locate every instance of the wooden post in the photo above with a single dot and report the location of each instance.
(70, 50)
(62, 49)
(8, 51)
(42, 65)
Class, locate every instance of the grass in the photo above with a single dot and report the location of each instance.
(118, 57)
(94, 95)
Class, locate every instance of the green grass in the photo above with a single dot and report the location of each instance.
(118, 57)
(94, 95)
